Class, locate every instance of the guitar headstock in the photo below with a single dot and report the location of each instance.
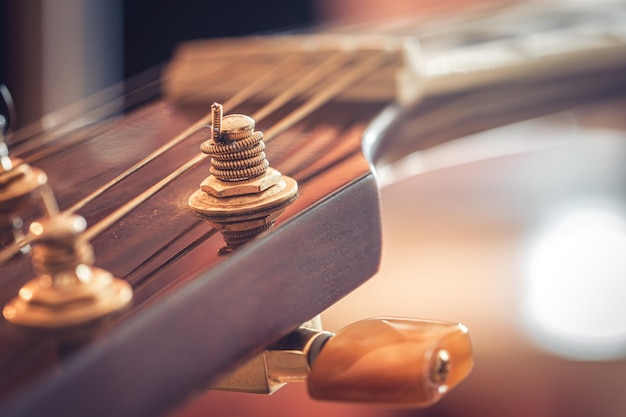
(196, 312)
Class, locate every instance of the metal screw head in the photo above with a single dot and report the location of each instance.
(441, 366)
(237, 126)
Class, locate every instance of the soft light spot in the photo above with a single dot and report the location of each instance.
(9, 312)
(575, 285)
(36, 228)
(26, 294)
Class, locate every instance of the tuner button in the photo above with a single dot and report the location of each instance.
(392, 361)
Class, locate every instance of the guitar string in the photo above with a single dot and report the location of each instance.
(99, 112)
(307, 81)
(104, 103)
(342, 153)
(337, 86)
(240, 97)
(57, 121)
(86, 133)
(334, 63)
(100, 101)
(102, 111)
(154, 256)
(341, 84)
(314, 102)
(447, 109)
(136, 283)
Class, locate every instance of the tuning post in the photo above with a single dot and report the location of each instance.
(390, 361)
(68, 290)
(243, 195)
(19, 182)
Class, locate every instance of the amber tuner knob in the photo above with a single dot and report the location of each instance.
(391, 361)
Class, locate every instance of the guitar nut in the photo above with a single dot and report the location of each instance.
(215, 187)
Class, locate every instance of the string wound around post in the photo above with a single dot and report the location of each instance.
(243, 196)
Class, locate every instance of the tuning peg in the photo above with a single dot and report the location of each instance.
(19, 182)
(68, 290)
(384, 360)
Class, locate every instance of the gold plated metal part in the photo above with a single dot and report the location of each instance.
(19, 182)
(68, 289)
(386, 360)
(243, 196)
(285, 362)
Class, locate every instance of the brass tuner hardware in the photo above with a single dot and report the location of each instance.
(18, 181)
(390, 361)
(243, 196)
(68, 289)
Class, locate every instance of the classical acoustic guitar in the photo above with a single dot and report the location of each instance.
(181, 242)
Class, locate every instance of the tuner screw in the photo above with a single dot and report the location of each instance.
(243, 196)
(68, 289)
(441, 366)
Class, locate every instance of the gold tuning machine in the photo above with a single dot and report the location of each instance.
(243, 196)
(19, 182)
(68, 290)
(391, 361)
